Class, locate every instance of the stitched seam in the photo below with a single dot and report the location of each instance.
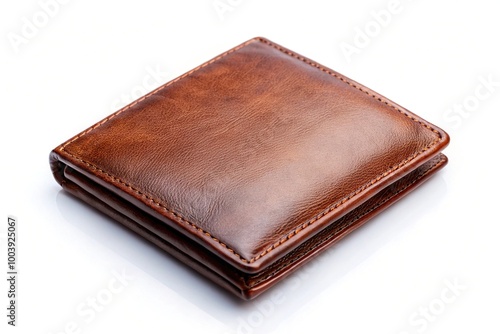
(344, 80)
(154, 92)
(347, 224)
(297, 229)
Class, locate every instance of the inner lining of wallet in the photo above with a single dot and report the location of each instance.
(152, 228)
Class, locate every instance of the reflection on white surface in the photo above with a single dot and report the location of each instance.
(280, 302)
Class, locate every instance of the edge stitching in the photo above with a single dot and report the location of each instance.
(299, 228)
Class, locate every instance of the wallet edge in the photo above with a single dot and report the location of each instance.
(241, 284)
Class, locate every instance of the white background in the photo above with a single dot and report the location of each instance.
(91, 57)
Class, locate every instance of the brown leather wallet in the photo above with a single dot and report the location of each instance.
(251, 164)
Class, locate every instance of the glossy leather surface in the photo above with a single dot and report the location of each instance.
(249, 156)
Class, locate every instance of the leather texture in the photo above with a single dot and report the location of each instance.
(249, 165)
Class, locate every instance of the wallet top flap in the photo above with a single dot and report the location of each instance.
(253, 152)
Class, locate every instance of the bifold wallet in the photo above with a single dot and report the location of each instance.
(251, 164)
